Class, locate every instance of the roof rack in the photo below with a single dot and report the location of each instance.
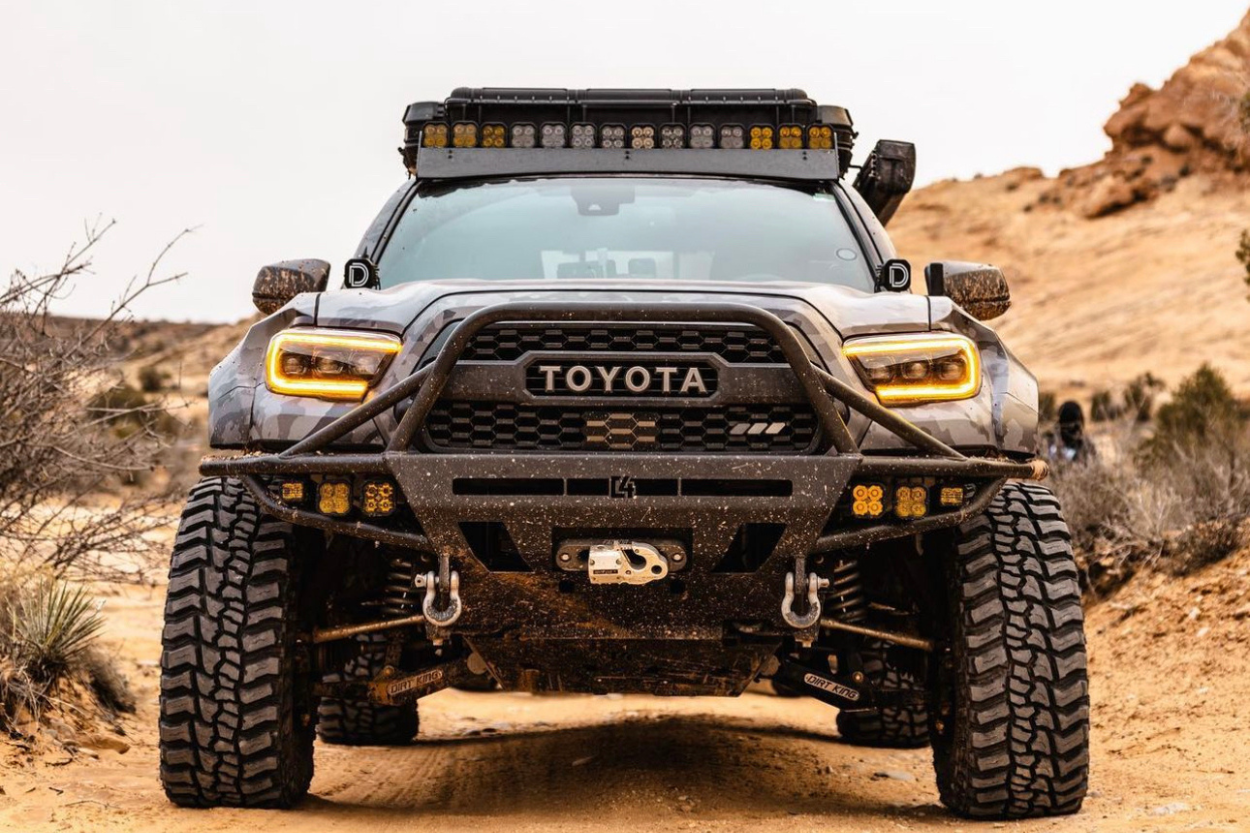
(669, 131)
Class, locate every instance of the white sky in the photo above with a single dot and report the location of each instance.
(273, 126)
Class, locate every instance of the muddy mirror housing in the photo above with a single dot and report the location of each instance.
(278, 283)
(979, 288)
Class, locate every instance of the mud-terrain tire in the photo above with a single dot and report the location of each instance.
(1011, 738)
(897, 727)
(235, 708)
(360, 722)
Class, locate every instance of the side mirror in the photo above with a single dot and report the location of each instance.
(979, 288)
(280, 282)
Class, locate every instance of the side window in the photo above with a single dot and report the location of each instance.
(876, 231)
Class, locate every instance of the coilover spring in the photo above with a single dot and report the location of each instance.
(399, 598)
(846, 599)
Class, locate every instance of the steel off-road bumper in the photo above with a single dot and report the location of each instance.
(709, 499)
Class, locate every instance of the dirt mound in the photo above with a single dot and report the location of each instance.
(1198, 121)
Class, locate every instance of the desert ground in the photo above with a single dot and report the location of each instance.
(1169, 657)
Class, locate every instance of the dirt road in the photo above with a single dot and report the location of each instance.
(1171, 749)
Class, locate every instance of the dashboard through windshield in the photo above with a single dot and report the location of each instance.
(621, 228)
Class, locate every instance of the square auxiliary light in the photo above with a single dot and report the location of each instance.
(673, 136)
(334, 497)
(790, 137)
(434, 135)
(911, 502)
(464, 134)
(761, 137)
(583, 136)
(868, 500)
(378, 498)
(552, 135)
(951, 496)
(293, 492)
(524, 135)
(820, 137)
(732, 137)
(642, 137)
(612, 136)
(493, 135)
(702, 136)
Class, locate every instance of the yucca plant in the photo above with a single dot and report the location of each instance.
(53, 623)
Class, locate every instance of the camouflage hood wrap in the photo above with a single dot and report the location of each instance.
(244, 414)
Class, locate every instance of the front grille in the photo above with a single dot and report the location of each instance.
(504, 426)
(736, 345)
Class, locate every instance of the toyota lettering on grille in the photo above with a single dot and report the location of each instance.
(622, 380)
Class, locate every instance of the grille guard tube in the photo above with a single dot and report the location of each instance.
(823, 391)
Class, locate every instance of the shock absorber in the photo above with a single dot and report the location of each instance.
(399, 597)
(846, 599)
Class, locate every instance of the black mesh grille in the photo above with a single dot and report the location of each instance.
(778, 429)
(737, 345)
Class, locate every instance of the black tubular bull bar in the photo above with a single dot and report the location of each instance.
(425, 385)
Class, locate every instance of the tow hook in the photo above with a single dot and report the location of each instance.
(812, 584)
(447, 585)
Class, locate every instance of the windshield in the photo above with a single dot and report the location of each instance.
(586, 228)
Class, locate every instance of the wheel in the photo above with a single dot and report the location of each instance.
(236, 723)
(360, 722)
(899, 727)
(1011, 729)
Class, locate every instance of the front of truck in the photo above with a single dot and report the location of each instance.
(625, 391)
(625, 404)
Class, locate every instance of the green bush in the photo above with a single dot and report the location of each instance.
(53, 623)
(1203, 414)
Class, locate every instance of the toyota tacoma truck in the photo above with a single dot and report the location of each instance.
(627, 391)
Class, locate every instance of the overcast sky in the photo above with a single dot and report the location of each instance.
(272, 127)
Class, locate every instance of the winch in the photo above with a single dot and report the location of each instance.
(625, 562)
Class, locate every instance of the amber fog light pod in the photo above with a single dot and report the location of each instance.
(377, 498)
(334, 497)
(328, 364)
(917, 368)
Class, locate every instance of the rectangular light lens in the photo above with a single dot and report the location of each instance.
(673, 136)
(334, 497)
(552, 135)
(464, 134)
(642, 137)
(377, 498)
(732, 137)
(820, 137)
(917, 368)
(434, 135)
(493, 135)
(583, 135)
(702, 136)
(761, 137)
(790, 137)
(612, 136)
(329, 364)
(524, 135)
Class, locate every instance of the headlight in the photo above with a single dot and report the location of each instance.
(924, 367)
(331, 364)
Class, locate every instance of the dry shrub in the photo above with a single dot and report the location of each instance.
(73, 429)
(1175, 498)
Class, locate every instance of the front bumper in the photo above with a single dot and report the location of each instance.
(541, 498)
